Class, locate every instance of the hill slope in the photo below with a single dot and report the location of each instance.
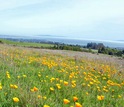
(50, 78)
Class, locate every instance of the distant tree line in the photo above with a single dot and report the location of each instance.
(111, 51)
(67, 47)
(95, 45)
(105, 50)
(88, 48)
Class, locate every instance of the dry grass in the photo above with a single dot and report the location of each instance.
(118, 62)
(106, 59)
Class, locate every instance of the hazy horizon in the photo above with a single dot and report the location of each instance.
(74, 19)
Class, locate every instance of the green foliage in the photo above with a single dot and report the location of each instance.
(1, 41)
(95, 45)
(67, 47)
(105, 50)
(110, 51)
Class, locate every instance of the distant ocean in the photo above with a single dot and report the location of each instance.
(82, 42)
(112, 44)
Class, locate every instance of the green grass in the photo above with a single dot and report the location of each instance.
(28, 75)
(27, 44)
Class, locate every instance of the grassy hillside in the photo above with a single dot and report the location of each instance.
(47, 45)
(33, 79)
(26, 44)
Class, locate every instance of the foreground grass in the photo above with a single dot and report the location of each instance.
(34, 79)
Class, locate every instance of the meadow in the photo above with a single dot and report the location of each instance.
(27, 44)
(30, 78)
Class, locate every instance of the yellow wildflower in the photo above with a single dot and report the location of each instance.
(87, 93)
(24, 76)
(44, 97)
(34, 89)
(101, 97)
(1, 87)
(66, 101)
(75, 98)
(78, 105)
(46, 106)
(15, 99)
(18, 76)
(65, 83)
(119, 96)
(51, 89)
(13, 86)
(39, 96)
(58, 86)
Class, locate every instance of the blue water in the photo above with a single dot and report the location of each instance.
(112, 44)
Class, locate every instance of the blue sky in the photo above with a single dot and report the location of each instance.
(80, 19)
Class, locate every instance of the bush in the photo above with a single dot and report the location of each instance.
(1, 42)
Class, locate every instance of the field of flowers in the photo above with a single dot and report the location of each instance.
(33, 79)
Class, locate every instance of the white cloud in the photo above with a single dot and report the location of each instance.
(64, 17)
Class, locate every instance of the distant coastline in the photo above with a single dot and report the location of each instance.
(74, 41)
